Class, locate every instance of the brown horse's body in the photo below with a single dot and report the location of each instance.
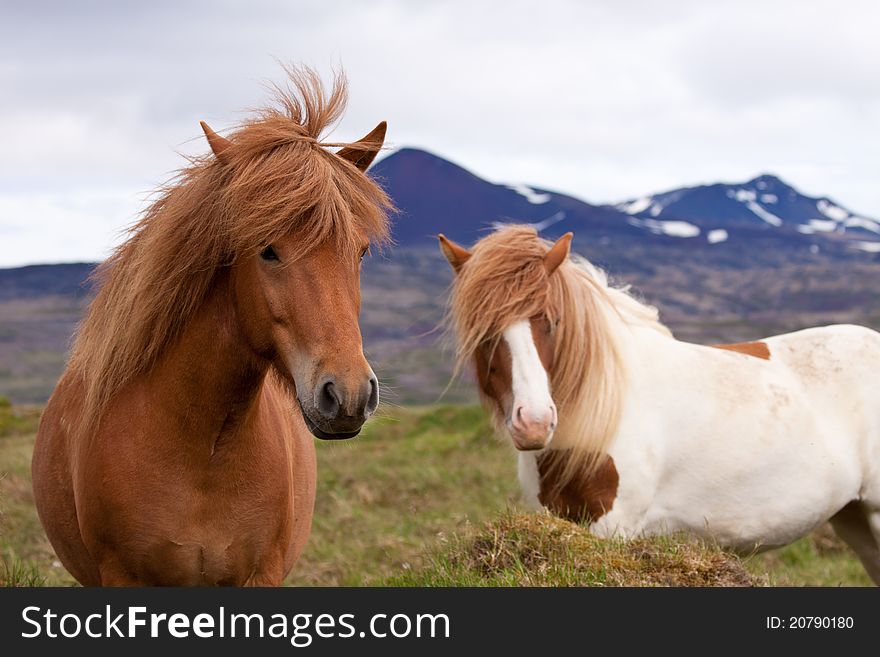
(202, 472)
(177, 447)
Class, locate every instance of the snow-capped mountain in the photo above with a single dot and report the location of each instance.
(766, 203)
(731, 222)
(434, 196)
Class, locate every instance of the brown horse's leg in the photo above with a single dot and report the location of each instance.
(113, 574)
(265, 579)
(853, 523)
(54, 491)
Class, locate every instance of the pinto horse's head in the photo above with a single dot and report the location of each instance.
(511, 334)
(296, 288)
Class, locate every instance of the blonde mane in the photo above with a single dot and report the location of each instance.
(276, 177)
(504, 281)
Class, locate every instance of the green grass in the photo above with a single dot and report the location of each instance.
(821, 559)
(426, 496)
(26, 557)
(410, 479)
(15, 573)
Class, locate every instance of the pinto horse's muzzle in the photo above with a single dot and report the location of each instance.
(532, 428)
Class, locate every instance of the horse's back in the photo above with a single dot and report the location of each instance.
(838, 367)
(52, 471)
(823, 353)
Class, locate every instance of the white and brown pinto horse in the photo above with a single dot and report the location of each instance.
(177, 447)
(620, 424)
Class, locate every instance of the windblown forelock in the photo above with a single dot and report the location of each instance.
(281, 177)
(503, 281)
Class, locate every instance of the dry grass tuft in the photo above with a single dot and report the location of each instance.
(540, 550)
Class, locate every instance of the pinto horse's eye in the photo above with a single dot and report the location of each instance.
(268, 254)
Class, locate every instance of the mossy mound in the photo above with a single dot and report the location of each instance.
(540, 550)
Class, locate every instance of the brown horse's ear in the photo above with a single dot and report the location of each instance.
(557, 253)
(217, 143)
(455, 254)
(362, 152)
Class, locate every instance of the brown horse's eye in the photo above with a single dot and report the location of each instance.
(364, 252)
(268, 254)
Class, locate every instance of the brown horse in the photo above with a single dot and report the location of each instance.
(176, 448)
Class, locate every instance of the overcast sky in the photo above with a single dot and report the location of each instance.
(603, 100)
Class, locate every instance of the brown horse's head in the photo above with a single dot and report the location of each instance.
(506, 322)
(266, 233)
(297, 299)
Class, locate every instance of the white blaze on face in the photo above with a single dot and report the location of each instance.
(533, 413)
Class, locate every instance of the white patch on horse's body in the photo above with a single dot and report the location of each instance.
(529, 478)
(747, 451)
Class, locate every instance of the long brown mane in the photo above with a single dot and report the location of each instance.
(275, 178)
(504, 281)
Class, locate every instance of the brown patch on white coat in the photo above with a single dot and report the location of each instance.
(756, 349)
(586, 497)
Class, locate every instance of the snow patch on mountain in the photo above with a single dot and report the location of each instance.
(634, 207)
(742, 195)
(769, 217)
(831, 211)
(716, 236)
(870, 247)
(769, 198)
(544, 224)
(862, 222)
(668, 228)
(533, 197)
(822, 225)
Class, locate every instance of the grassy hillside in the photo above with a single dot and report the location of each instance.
(703, 299)
(425, 496)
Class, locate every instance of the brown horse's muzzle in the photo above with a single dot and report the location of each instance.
(339, 409)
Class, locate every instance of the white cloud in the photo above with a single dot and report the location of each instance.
(46, 227)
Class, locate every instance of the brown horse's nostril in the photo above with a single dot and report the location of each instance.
(328, 402)
(373, 399)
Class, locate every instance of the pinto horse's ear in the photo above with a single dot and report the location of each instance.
(217, 143)
(558, 253)
(362, 152)
(455, 254)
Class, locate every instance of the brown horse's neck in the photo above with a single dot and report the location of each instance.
(208, 381)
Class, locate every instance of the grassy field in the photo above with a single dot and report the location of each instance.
(425, 496)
